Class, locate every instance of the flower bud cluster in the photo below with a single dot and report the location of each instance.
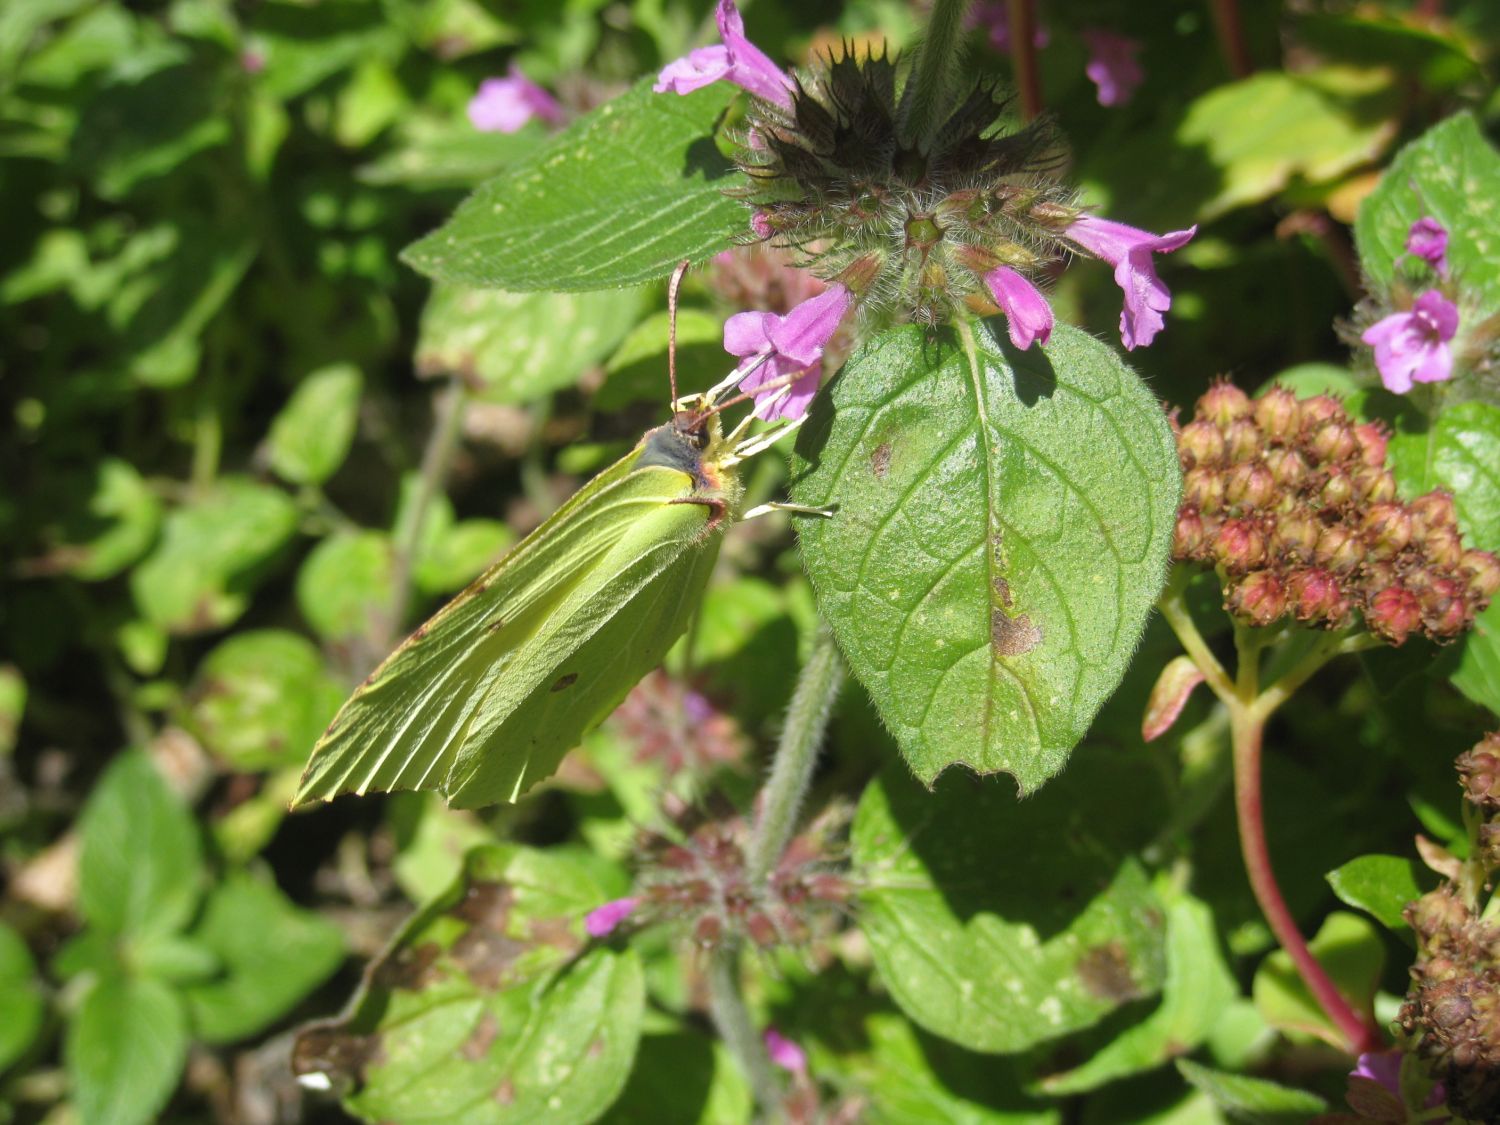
(1289, 498)
(913, 224)
(1479, 774)
(667, 722)
(703, 881)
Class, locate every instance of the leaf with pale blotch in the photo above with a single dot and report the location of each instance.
(1001, 531)
(490, 1005)
(1001, 923)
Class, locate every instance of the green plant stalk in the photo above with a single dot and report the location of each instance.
(1249, 708)
(737, 1030)
(928, 85)
(1022, 18)
(1231, 32)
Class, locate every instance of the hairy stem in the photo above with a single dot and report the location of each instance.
(818, 686)
(737, 1029)
(1174, 609)
(926, 102)
(1231, 30)
(1023, 56)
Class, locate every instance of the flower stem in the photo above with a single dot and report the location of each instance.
(818, 686)
(1231, 29)
(1174, 609)
(926, 103)
(1023, 56)
(737, 1029)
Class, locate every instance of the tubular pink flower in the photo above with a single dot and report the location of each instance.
(773, 347)
(504, 105)
(784, 1053)
(1026, 310)
(1112, 65)
(735, 60)
(1429, 241)
(994, 17)
(602, 920)
(1412, 347)
(1129, 250)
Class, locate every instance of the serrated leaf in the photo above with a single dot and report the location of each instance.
(1001, 534)
(1452, 173)
(261, 698)
(1000, 923)
(311, 435)
(490, 1006)
(212, 552)
(22, 1005)
(519, 347)
(1252, 1100)
(270, 954)
(139, 867)
(1351, 952)
(618, 198)
(346, 584)
(125, 1049)
(1380, 885)
(1457, 452)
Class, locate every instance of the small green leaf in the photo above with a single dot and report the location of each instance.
(346, 584)
(311, 435)
(636, 371)
(1452, 173)
(1000, 536)
(1000, 923)
(431, 155)
(261, 699)
(172, 959)
(212, 552)
(1350, 950)
(12, 706)
(460, 553)
(125, 1049)
(271, 955)
(1478, 674)
(22, 1005)
(1252, 1100)
(520, 347)
(683, 1078)
(129, 512)
(1457, 452)
(139, 868)
(489, 1006)
(1381, 885)
(618, 198)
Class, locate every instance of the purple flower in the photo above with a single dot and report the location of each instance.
(504, 105)
(1129, 250)
(1383, 1068)
(1429, 241)
(735, 60)
(1024, 306)
(1112, 66)
(784, 1053)
(602, 920)
(773, 348)
(994, 16)
(1413, 346)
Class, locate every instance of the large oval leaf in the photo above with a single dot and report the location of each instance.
(1002, 529)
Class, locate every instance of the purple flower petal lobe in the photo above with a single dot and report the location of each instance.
(1129, 250)
(1026, 310)
(1412, 346)
(504, 105)
(602, 920)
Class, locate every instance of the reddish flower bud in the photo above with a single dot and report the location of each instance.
(1201, 443)
(1242, 441)
(1337, 489)
(1288, 467)
(1204, 489)
(1316, 596)
(1338, 549)
(1223, 403)
(1295, 536)
(1257, 599)
(1372, 438)
(1249, 485)
(1277, 415)
(1482, 570)
(828, 888)
(708, 931)
(1333, 443)
(1441, 546)
(1445, 612)
(1394, 614)
(1240, 545)
(1317, 410)
(1372, 485)
(1187, 539)
(1479, 773)
(1433, 509)
(1387, 529)
(761, 929)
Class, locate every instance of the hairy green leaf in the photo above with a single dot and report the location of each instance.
(1380, 885)
(1001, 532)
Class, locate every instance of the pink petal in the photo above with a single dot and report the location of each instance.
(750, 68)
(749, 333)
(1026, 310)
(699, 68)
(795, 402)
(601, 921)
(1112, 66)
(504, 105)
(1129, 250)
(806, 329)
(784, 1053)
(1429, 241)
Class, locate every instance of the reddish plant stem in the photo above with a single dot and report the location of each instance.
(1023, 56)
(1248, 729)
(1231, 29)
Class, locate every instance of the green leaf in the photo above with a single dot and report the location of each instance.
(12, 706)
(520, 347)
(173, 960)
(682, 1078)
(22, 1005)
(432, 155)
(261, 698)
(460, 553)
(213, 551)
(1478, 674)
(1380, 885)
(489, 1006)
(618, 198)
(311, 435)
(139, 870)
(303, 44)
(1199, 986)
(1452, 173)
(1372, 39)
(346, 584)
(1457, 452)
(116, 527)
(125, 1049)
(272, 955)
(1001, 923)
(1000, 536)
(637, 370)
(1350, 950)
(1252, 1100)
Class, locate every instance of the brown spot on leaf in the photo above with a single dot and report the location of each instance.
(1002, 591)
(495, 626)
(484, 951)
(880, 460)
(1012, 636)
(412, 967)
(329, 1048)
(1105, 973)
(482, 1038)
(596, 1047)
(505, 1093)
(565, 681)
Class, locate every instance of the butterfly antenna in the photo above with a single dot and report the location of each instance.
(672, 287)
